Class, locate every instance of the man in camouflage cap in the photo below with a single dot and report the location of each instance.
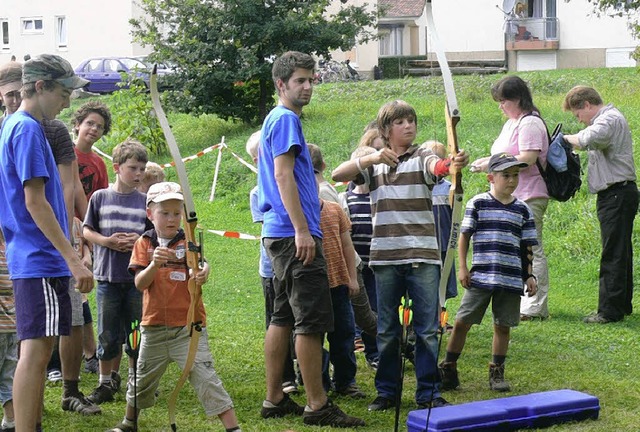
(39, 255)
(49, 67)
(69, 360)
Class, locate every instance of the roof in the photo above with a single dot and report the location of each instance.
(401, 8)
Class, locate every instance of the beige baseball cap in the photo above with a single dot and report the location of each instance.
(10, 77)
(164, 191)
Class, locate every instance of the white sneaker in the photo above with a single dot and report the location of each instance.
(54, 376)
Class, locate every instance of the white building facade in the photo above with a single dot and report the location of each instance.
(73, 29)
(545, 34)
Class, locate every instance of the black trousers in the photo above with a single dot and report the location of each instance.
(617, 207)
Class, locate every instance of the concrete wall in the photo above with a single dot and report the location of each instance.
(365, 56)
(94, 28)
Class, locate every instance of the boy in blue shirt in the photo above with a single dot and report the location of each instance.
(288, 197)
(34, 221)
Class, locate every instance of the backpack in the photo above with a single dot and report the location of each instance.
(561, 185)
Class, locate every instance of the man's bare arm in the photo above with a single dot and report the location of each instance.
(283, 171)
(42, 214)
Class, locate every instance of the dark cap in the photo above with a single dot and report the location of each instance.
(49, 67)
(503, 161)
(10, 77)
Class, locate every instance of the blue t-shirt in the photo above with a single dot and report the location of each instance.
(265, 270)
(25, 154)
(281, 132)
(110, 212)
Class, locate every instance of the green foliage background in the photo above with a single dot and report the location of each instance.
(559, 353)
(223, 48)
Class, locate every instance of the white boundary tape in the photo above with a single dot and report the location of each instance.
(234, 234)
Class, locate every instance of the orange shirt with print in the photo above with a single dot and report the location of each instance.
(167, 300)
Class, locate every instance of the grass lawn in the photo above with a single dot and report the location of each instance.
(559, 353)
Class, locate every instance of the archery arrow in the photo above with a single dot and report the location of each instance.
(134, 347)
(194, 250)
(405, 315)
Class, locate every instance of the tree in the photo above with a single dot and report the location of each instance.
(223, 49)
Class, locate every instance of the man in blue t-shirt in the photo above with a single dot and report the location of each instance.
(288, 197)
(39, 255)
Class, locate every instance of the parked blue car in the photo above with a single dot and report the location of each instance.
(104, 72)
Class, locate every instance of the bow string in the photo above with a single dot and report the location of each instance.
(194, 250)
(452, 116)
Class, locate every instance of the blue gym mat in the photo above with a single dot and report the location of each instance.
(535, 410)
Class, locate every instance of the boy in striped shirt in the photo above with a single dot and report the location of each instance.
(404, 249)
(503, 232)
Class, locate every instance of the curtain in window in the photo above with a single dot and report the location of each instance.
(61, 23)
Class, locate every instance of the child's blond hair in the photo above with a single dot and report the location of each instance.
(368, 138)
(362, 151)
(153, 173)
(253, 143)
(436, 147)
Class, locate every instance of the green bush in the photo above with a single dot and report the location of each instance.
(393, 66)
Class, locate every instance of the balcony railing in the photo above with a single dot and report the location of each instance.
(532, 33)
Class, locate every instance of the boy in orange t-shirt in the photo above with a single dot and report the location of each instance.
(158, 261)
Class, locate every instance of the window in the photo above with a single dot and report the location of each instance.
(390, 40)
(4, 34)
(93, 66)
(61, 32)
(112, 65)
(32, 26)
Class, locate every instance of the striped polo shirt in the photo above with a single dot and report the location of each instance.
(499, 232)
(401, 209)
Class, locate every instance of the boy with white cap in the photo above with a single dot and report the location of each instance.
(158, 261)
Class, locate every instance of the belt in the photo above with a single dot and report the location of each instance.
(621, 184)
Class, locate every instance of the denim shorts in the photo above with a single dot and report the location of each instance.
(505, 306)
(119, 304)
(43, 307)
(8, 362)
(302, 296)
